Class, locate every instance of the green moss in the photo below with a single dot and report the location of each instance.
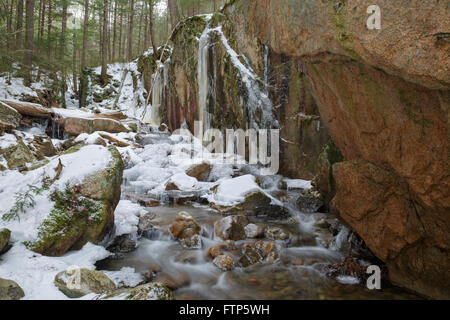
(71, 216)
(74, 148)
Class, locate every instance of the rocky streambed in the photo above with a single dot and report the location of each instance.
(199, 253)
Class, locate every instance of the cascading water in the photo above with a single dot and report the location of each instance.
(257, 99)
(159, 83)
(204, 88)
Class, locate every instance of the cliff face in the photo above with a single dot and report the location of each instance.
(313, 69)
(384, 97)
(229, 79)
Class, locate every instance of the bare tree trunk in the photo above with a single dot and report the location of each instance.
(139, 46)
(62, 52)
(85, 34)
(105, 42)
(152, 34)
(74, 64)
(114, 32)
(29, 39)
(49, 28)
(120, 31)
(19, 25)
(82, 93)
(173, 10)
(130, 32)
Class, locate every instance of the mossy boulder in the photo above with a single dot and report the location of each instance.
(17, 155)
(9, 118)
(80, 282)
(5, 234)
(82, 213)
(9, 290)
(148, 291)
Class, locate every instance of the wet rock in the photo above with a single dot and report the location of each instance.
(324, 181)
(148, 291)
(199, 171)
(250, 256)
(173, 280)
(224, 262)
(254, 231)
(9, 290)
(122, 244)
(214, 251)
(276, 233)
(5, 234)
(9, 118)
(192, 242)
(171, 186)
(76, 283)
(184, 226)
(309, 201)
(322, 223)
(268, 250)
(231, 228)
(186, 230)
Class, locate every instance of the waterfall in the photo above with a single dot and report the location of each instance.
(202, 79)
(257, 100)
(159, 84)
(266, 65)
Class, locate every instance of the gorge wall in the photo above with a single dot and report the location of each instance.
(313, 69)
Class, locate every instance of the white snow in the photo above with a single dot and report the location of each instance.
(126, 217)
(35, 273)
(125, 278)
(233, 191)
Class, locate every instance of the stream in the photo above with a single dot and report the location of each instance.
(298, 273)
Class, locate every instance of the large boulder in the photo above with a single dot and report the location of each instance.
(5, 234)
(76, 283)
(408, 236)
(148, 291)
(9, 290)
(339, 27)
(75, 126)
(9, 118)
(92, 217)
(387, 113)
(17, 154)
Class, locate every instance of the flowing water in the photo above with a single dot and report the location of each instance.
(299, 273)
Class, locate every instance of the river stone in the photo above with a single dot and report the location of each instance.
(80, 282)
(276, 233)
(173, 280)
(309, 201)
(231, 228)
(214, 251)
(199, 171)
(5, 234)
(224, 262)
(193, 242)
(148, 291)
(9, 290)
(250, 256)
(254, 231)
(9, 118)
(184, 226)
